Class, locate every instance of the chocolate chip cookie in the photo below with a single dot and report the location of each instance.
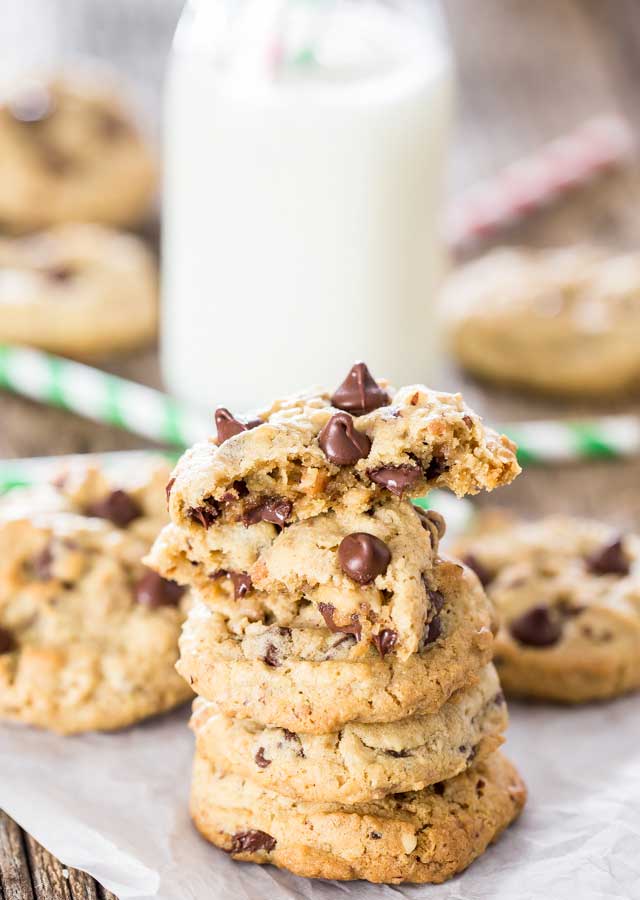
(71, 152)
(355, 448)
(422, 836)
(567, 592)
(361, 574)
(88, 634)
(563, 322)
(359, 762)
(312, 678)
(78, 290)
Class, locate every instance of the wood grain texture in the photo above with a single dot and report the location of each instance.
(528, 71)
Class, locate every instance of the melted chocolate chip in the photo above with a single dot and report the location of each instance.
(41, 564)
(398, 754)
(359, 393)
(396, 479)
(438, 466)
(274, 509)
(536, 627)
(432, 631)
(227, 426)
(7, 643)
(341, 442)
(252, 841)
(363, 557)
(154, 591)
(385, 641)
(485, 577)
(272, 657)
(355, 628)
(260, 759)
(118, 507)
(609, 560)
(167, 490)
(375, 835)
(205, 514)
(431, 519)
(438, 788)
(241, 581)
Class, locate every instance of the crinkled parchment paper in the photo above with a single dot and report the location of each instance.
(115, 805)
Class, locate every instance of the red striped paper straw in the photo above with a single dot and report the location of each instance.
(538, 180)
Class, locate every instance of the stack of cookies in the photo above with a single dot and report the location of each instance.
(349, 714)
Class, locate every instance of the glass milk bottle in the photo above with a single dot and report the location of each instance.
(305, 151)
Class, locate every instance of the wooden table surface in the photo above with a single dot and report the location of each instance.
(528, 72)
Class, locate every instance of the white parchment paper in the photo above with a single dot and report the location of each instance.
(115, 805)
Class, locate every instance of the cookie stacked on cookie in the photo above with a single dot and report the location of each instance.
(348, 714)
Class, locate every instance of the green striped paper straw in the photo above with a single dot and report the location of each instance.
(100, 396)
(29, 471)
(551, 441)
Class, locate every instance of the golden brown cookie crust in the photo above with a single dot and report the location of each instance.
(421, 837)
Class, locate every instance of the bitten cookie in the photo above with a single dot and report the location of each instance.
(563, 322)
(353, 449)
(88, 635)
(78, 290)
(70, 151)
(359, 762)
(567, 592)
(422, 836)
(367, 575)
(308, 678)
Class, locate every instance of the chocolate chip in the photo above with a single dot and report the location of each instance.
(118, 507)
(260, 760)
(293, 737)
(536, 627)
(237, 491)
(398, 754)
(227, 426)
(363, 557)
(341, 442)
(205, 514)
(41, 564)
(375, 835)
(252, 841)
(609, 560)
(437, 466)
(359, 393)
(485, 577)
(355, 628)
(154, 591)
(167, 490)
(111, 126)
(432, 631)
(241, 581)
(396, 479)
(60, 273)
(7, 643)
(438, 788)
(272, 654)
(385, 641)
(436, 597)
(274, 509)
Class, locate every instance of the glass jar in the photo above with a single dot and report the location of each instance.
(305, 149)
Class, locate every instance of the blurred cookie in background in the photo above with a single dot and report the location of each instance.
(71, 151)
(563, 322)
(78, 290)
(567, 595)
(88, 634)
